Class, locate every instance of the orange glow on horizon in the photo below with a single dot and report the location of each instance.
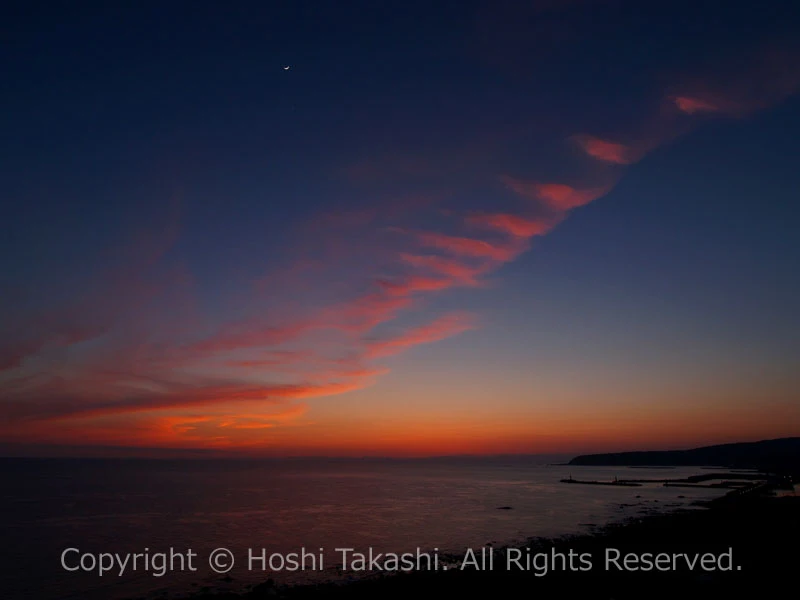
(292, 431)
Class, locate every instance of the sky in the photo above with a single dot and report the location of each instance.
(398, 228)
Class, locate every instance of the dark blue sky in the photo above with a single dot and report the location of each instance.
(175, 202)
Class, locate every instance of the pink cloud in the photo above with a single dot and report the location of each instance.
(415, 284)
(740, 85)
(278, 358)
(471, 247)
(605, 150)
(456, 270)
(557, 196)
(511, 224)
(691, 105)
(440, 329)
(61, 405)
(355, 316)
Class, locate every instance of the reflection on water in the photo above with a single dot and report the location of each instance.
(389, 505)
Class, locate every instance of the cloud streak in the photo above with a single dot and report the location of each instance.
(510, 224)
(559, 197)
(605, 150)
(440, 329)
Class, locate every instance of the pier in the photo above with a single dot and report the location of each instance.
(617, 482)
(734, 481)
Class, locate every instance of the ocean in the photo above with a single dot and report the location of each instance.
(57, 516)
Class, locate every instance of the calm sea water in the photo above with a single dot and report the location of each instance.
(122, 506)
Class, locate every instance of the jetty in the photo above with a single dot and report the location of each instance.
(729, 480)
(617, 482)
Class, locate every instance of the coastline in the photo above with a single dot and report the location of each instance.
(757, 531)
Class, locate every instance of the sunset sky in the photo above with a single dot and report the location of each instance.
(447, 228)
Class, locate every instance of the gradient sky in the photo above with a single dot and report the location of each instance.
(449, 227)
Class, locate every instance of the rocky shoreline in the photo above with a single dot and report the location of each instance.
(739, 544)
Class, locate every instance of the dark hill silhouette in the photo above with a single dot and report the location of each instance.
(780, 455)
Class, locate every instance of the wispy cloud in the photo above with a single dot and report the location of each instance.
(742, 84)
(559, 197)
(516, 225)
(440, 329)
(691, 105)
(443, 266)
(470, 247)
(605, 150)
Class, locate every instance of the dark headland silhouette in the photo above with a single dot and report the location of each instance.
(779, 455)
